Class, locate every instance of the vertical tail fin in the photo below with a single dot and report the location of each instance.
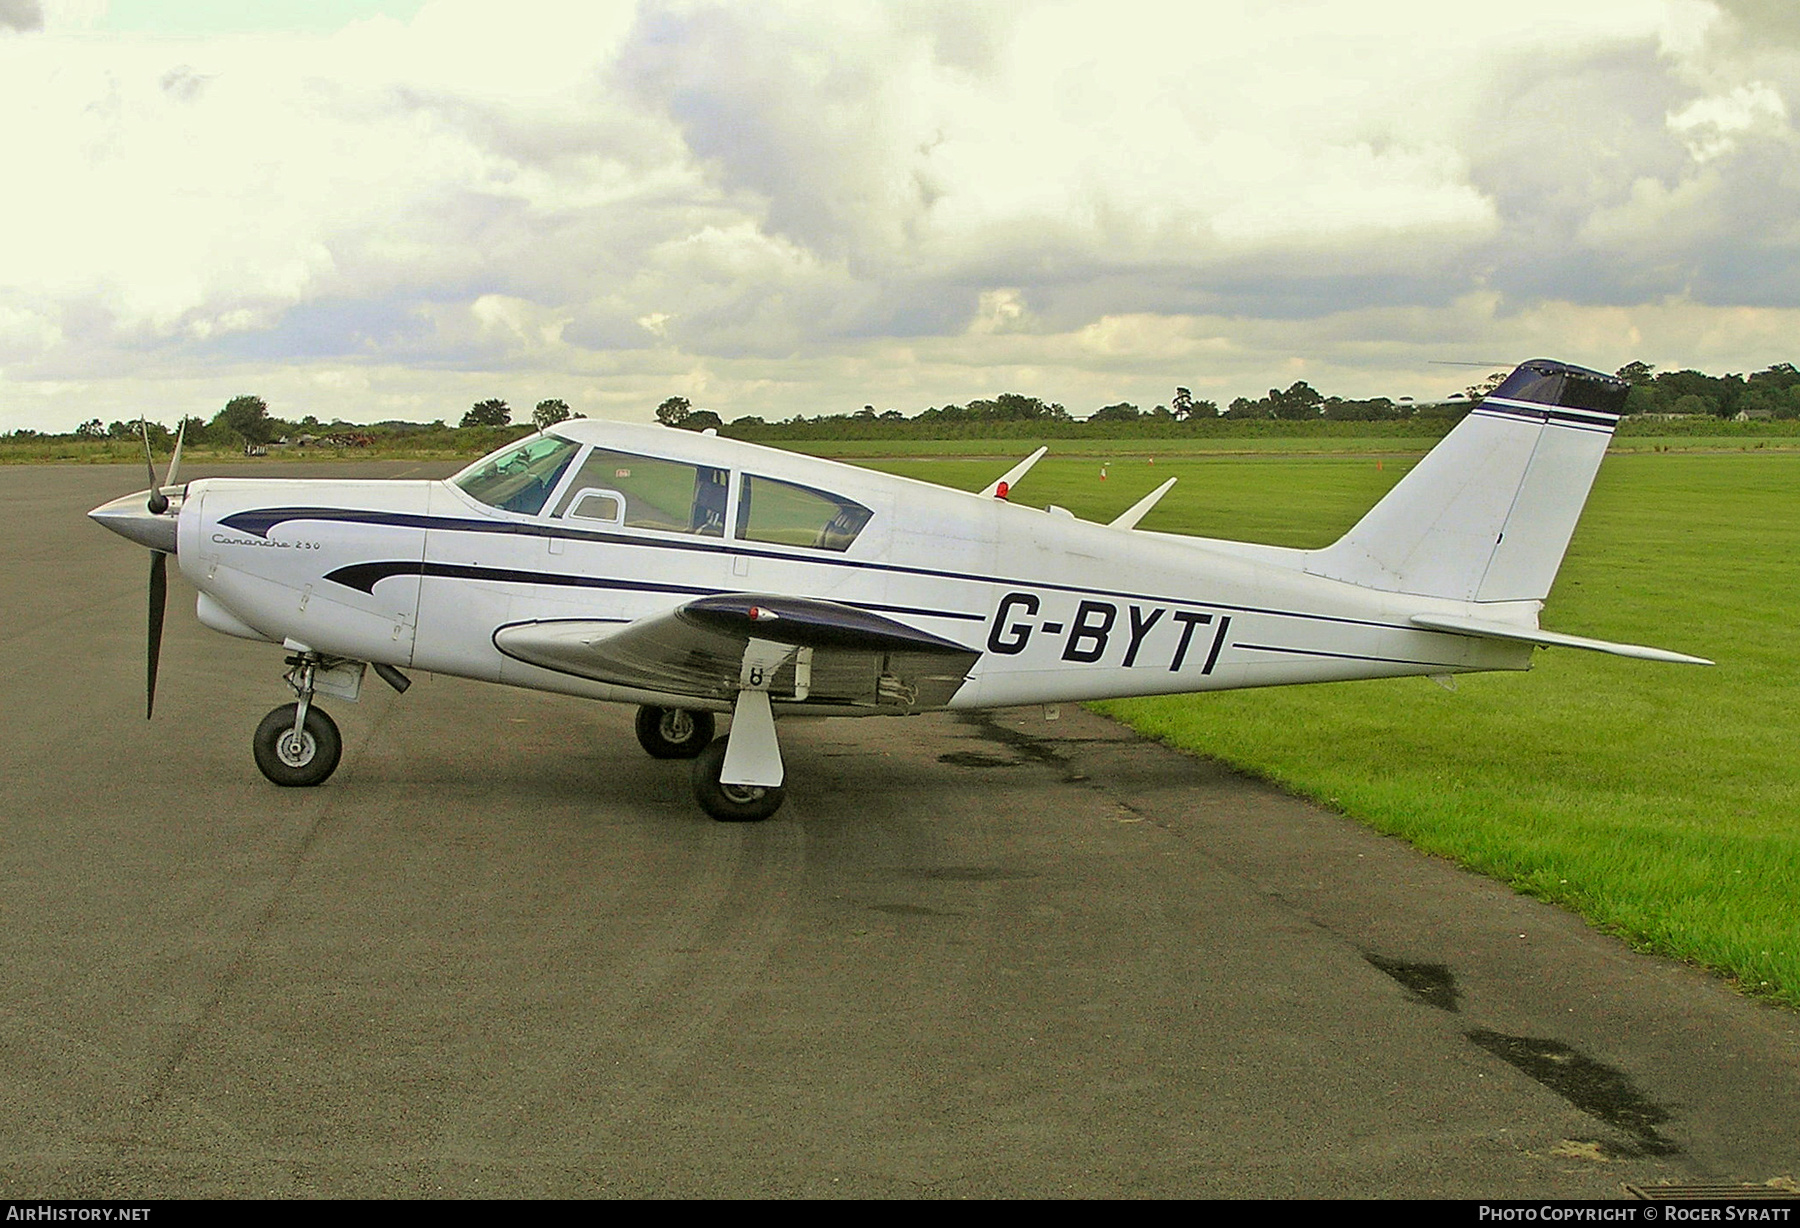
(1487, 515)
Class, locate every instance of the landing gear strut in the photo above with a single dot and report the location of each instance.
(738, 778)
(674, 733)
(297, 745)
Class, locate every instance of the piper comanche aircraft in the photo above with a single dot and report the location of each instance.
(693, 575)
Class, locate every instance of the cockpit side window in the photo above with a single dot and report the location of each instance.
(789, 514)
(647, 492)
(521, 478)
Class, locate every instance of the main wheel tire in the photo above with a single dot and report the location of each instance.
(731, 803)
(297, 763)
(674, 733)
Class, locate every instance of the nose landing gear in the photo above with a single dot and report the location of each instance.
(298, 745)
(297, 751)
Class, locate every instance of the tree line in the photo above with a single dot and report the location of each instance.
(1773, 392)
(1770, 393)
(245, 420)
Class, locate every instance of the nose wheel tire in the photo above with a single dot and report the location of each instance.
(674, 733)
(731, 803)
(300, 762)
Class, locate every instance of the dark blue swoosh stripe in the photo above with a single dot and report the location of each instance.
(365, 576)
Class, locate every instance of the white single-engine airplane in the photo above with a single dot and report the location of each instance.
(691, 574)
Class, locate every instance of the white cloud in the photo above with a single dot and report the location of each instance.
(818, 204)
(21, 16)
(1713, 127)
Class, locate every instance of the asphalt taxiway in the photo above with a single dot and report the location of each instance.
(502, 953)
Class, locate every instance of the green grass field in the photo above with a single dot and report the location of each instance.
(1661, 802)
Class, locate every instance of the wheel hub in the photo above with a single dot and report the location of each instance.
(296, 752)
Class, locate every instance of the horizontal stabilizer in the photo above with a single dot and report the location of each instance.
(1548, 639)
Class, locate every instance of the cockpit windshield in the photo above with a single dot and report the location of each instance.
(521, 478)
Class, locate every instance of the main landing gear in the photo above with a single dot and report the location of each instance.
(674, 733)
(731, 803)
(737, 779)
(297, 745)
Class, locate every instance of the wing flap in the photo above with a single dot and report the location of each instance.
(846, 655)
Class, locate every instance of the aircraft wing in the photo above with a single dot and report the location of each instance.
(812, 651)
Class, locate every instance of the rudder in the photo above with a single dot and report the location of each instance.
(1488, 514)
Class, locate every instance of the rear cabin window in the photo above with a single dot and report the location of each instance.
(521, 478)
(788, 514)
(646, 492)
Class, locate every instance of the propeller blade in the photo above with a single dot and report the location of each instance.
(175, 461)
(159, 600)
(158, 502)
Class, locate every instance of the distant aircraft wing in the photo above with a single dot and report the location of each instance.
(1484, 629)
(817, 652)
(1129, 518)
(1011, 477)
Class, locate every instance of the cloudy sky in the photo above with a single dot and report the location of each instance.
(393, 208)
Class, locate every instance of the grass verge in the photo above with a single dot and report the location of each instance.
(1660, 802)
